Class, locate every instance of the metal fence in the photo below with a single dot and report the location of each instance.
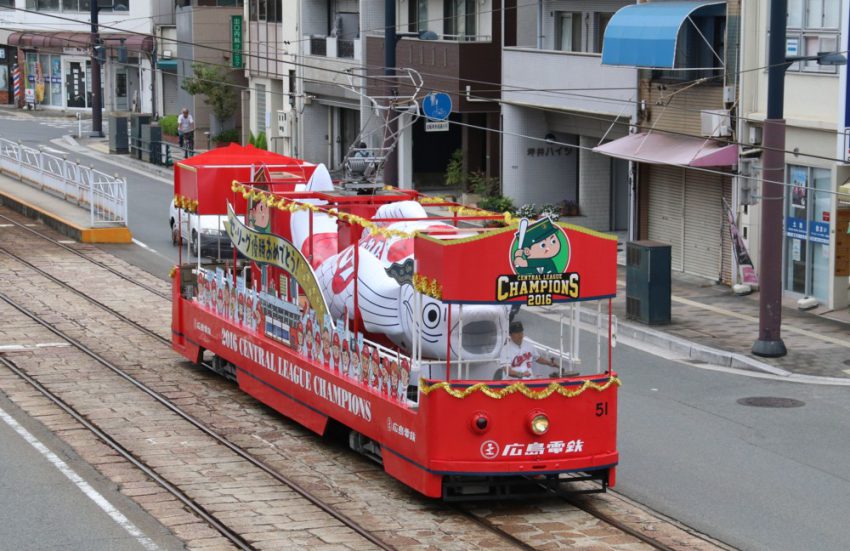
(103, 195)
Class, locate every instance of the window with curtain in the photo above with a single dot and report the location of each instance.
(460, 18)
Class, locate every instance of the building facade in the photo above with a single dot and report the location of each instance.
(816, 243)
(683, 148)
(50, 42)
(558, 103)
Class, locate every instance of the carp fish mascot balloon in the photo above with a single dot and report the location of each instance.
(385, 289)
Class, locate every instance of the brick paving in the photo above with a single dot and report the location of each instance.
(270, 515)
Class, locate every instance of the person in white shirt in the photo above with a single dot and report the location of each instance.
(185, 127)
(518, 356)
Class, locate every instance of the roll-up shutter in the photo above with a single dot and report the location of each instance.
(703, 224)
(666, 205)
(169, 94)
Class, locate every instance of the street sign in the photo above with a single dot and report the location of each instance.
(236, 41)
(436, 126)
(437, 106)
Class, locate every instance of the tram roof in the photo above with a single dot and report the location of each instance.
(206, 178)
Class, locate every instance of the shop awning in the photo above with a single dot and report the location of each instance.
(645, 35)
(668, 149)
(167, 64)
(44, 39)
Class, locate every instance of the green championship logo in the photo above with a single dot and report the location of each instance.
(539, 256)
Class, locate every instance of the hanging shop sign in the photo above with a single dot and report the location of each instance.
(236, 41)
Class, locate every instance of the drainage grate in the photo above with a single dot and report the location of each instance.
(771, 402)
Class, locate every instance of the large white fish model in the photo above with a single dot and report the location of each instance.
(384, 284)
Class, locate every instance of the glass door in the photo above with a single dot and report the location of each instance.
(807, 213)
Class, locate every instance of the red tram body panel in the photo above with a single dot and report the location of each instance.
(297, 328)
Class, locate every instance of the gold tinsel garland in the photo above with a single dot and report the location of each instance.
(172, 272)
(430, 287)
(520, 387)
(296, 206)
(189, 205)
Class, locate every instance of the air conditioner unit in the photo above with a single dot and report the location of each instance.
(755, 135)
(716, 123)
(283, 129)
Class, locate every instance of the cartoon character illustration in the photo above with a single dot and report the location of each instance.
(318, 353)
(354, 368)
(326, 345)
(373, 368)
(335, 359)
(365, 354)
(384, 276)
(384, 376)
(403, 379)
(345, 358)
(259, 217)
(393, 384)
(308, 347)
(537, 247)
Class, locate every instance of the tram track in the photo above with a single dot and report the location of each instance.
(75, 252)
(485, 524)
(242, 453)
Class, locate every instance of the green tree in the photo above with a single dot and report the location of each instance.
(213, 82)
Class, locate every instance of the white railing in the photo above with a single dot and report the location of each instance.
(103, 195)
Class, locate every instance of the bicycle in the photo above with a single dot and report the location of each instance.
(189, 143)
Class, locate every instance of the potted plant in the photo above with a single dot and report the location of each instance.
(569, 207)
(226, 137)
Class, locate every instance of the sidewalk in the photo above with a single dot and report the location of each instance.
(710, 324)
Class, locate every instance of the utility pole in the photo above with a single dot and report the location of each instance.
(390, 40)
(96, 100)
(769, 343)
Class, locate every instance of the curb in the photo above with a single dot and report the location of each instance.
(685, 348)
(117, 234)
(124, 161)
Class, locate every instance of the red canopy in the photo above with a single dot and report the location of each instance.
(207, 177)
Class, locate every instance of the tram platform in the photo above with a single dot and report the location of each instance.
(57, 213)
(711, 325)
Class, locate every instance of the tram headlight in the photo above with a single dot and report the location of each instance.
(539, 423)
(480, 422)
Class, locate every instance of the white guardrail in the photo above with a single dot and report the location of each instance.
(103, 195)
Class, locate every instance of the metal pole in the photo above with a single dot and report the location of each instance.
(769, 343)
(390, 41)
(96, 100)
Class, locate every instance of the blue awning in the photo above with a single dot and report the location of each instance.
(645, 35)
(167, 64)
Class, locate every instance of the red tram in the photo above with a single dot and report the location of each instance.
(388, 313)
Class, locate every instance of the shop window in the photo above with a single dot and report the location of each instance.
(460, 18)
(813, 26)
(269, 11)
(808, 203)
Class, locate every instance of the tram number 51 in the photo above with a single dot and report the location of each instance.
(601, 409)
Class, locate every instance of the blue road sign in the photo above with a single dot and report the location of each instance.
(437, 106)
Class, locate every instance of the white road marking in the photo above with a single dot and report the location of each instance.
(84, 486)
(67, 241)
(149, 249)
(6, 225)
(55, 151)
(86, 152)
(24, 347)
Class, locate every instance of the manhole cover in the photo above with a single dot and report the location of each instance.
(771, 402)
(846, 362)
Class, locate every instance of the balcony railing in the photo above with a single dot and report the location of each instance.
(318, 45)
(434, 37)
(329, 46)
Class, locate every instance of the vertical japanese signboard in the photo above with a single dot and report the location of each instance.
(236, 41)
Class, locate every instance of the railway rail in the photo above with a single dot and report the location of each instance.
(504, 535)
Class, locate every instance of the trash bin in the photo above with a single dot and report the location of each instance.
(648, 285)
(118, 137)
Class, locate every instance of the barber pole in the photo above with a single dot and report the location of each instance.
(16, 78)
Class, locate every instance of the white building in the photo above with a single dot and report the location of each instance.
(50, 40)
(816, 245)
(559, 102)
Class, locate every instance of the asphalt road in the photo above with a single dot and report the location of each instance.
(755, 478)
(52, 499)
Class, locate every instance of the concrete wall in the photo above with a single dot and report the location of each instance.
(549, 174)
